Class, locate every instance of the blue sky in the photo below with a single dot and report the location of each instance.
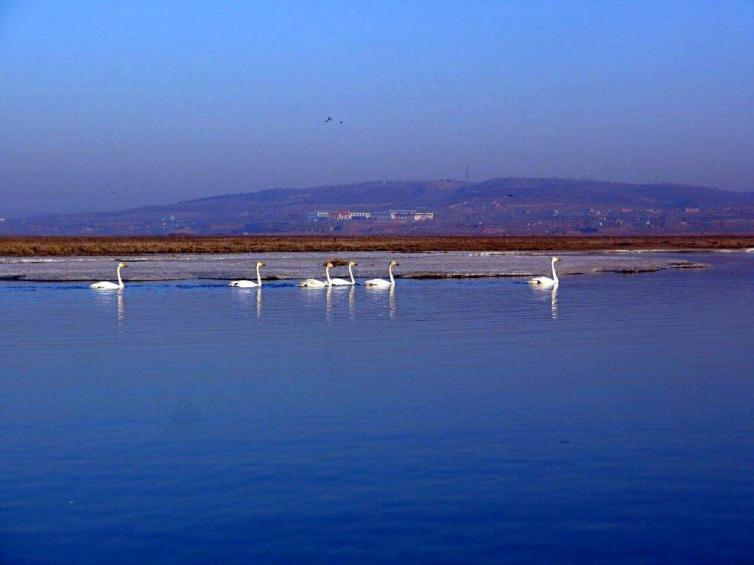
(111, 104)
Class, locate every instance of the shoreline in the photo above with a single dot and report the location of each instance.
(53, 246)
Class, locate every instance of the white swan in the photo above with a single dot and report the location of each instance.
(382, 283)
(547, 282)
(344, 282)
(107, 285)
(314, 283)
(249, 284)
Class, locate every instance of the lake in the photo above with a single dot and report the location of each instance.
(473, 420)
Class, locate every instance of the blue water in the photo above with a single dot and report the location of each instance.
(452, 421)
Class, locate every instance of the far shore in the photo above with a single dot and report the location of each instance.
(115, 246)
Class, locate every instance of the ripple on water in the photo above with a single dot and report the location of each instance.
(443, 420)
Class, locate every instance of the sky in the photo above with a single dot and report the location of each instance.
(106, 105)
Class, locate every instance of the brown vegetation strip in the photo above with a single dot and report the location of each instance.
(114, 246)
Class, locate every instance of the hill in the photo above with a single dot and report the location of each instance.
(498, 206)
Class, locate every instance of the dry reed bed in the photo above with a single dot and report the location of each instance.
(114, 246)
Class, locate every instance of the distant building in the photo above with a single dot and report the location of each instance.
(410, 216)
(340, 215)
(319, 215)
(398, 215)
(392, 215)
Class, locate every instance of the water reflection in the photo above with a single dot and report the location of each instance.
(392, 303)
(554, 302)
(328, 304)
(242, 296)
(249, 298)
(541, 294)
(351, 301)
(331, 300)
(121, 306)
(114, 300)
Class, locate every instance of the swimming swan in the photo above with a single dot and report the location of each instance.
(249, 284)
(382, 283)
(107, 285)
(547, 282)
(314, 283)
(344, 282)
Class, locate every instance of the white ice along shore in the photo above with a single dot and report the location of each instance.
(283, 266)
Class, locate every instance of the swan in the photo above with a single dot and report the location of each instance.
(249, 284)
(314, 283)
(107, 285)
(344, 282)
(382, 283)
(547, 282)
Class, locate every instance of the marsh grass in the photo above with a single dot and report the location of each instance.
(123, 246)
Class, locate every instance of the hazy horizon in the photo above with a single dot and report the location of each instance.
(107, 106)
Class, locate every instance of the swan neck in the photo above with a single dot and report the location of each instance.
(120, 281)
(327, 274)
(554, 274)
(390, 273)
(350, 272)
(259, 277)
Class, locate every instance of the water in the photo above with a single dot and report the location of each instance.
(304, 265)
(453, 420)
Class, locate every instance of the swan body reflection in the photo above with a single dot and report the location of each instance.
(554, 302)
(553, 292)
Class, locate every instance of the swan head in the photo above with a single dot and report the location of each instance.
(122, 265)
(261, 264)
(329, 265)
(352, 263)
(555, 259)
(394, 263)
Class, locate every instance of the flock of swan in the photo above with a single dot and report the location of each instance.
(328, 282)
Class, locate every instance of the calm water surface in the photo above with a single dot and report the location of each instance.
(475, 420)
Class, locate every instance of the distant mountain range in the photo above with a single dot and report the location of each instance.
(518, 206)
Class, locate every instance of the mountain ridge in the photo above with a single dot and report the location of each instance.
(506, 205)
